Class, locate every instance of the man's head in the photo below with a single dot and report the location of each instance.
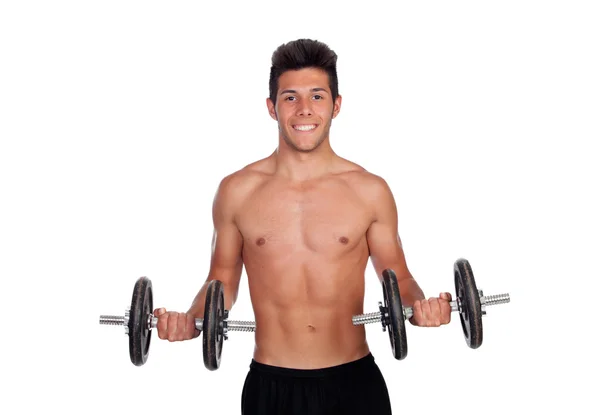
(303, 92)
(300, 54)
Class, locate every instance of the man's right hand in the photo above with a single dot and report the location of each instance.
(174, 326)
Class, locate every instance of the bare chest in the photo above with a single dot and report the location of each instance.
(328, 221)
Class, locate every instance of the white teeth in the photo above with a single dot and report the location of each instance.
(305, 127)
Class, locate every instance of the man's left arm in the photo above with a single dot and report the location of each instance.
(386, 251)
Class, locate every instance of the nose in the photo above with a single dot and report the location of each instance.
(304, 107)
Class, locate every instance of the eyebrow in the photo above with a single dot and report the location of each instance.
(293, 91)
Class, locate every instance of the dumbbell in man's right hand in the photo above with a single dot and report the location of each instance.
(174, 326)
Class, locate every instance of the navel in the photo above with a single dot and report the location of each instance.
(344, 240)
(260, 241)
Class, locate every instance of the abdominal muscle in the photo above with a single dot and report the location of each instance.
(303, 309)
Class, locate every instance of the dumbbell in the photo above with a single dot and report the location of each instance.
(139, 322)
(470, 303)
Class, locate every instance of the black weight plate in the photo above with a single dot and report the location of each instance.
(139, 334)
(212, 326)
(468, 295)
(395, 319)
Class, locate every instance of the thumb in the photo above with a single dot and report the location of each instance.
(446, 296)
(159, 311)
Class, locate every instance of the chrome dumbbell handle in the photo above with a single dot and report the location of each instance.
(486, 300)
(112, 320)
(408, 311)
(240, 325)
(231, 325)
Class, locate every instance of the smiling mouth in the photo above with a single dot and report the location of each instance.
(304, 127)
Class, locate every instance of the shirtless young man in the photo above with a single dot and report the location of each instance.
(304, 222)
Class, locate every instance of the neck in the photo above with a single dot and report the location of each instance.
(299, 166)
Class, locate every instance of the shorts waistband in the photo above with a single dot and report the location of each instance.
(313, 373)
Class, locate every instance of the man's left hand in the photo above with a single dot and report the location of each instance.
(432, 312)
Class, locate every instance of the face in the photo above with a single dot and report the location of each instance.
(304, 108)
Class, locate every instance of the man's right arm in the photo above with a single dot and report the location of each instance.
(226, 251)
(225, 265)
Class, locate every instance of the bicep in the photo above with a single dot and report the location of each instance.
(226, 252)
(385, 246)
(226, 248)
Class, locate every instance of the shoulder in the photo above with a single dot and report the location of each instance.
(237, 186)
(373, 190)
(367, 184)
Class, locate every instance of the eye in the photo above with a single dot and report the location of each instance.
(290, 98)
(318, 97)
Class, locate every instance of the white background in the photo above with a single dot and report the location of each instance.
(119, 118)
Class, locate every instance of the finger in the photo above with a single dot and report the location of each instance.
(445, 312)
(427, 316)
(172, 326)
(446, 308)
(182, 327)
(417, 313)
(190, 326)
(162, 326)
(187, 325)
(434, 305)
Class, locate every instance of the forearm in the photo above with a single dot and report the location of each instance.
(229, 295)
(198, 305)
(410, 291)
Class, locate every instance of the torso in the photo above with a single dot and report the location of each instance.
(305, 253)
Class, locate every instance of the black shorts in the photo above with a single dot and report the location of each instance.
(356, 387)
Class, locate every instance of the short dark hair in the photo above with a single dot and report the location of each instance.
(299, 54)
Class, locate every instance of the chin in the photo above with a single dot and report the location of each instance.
(306, 150)
(307, 146)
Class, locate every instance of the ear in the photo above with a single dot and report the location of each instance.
(271, 108)
(337, 105)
